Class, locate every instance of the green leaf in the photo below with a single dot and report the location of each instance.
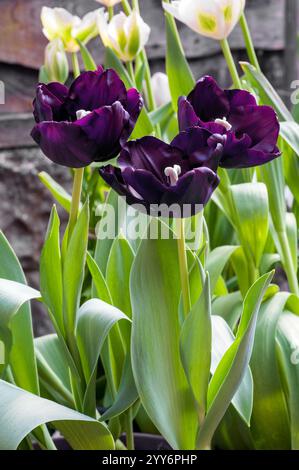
(251, 217)
(73, 268)
(270, 422)
(161, 114)
(229, 307)
(231, 369)
(95, 320)
(21, 412)
(155, 294)
(287, 348)
(21, 355)
(88, 61)
(266, 91)
(51, 271)
(216, 261)
(180, 77)
(99, 288)
(195, 347)
(289, 131)
(223, 338)
(57, 191)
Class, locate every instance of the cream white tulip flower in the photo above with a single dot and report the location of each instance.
(56, 63)
(125, 35)
(108, 3)
(160, 86)
(60, 23)
(211, 18)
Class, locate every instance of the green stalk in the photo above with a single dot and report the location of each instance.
(76, 67)
(130, 69)
(230, 63)
(126, 6)
(129, 430)
(287, 263)
(110, 12)
(183, 266)
(76, 198)
(135, 5)
(249, 43)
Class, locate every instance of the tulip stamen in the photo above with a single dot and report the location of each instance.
(81, 113)
(173, 173)
(224, 122)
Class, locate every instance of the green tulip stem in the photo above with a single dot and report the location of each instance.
(230, 63)
(110, 12)
(129, 430)
(287, 263)
(183, 266)
(135, 5)
(76, 67)
(126, 6)
(130, 68)
(249, 43)
(76, 198)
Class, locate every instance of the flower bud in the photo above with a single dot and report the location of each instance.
(56, 64)
(160, 86)
(59, 23)
(212, 18)
(108, 3)
(125, 35)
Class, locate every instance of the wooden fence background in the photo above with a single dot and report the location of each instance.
(25, 204)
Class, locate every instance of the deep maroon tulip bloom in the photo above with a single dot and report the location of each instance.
(250, 131)
(87, 122)
(152, 173)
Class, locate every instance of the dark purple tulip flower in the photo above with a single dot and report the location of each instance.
(247, 131)
(87, 122)
(152, 173)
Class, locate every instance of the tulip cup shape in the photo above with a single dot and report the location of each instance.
(87, 122)
(211, 18)
(170, 180)
(108, 3)
(249, 131)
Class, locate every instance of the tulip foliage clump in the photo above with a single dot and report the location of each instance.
(173, 290)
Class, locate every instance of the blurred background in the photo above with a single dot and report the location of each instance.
(24, 203)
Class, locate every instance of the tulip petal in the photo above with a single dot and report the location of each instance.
(48, 104)
(64, 143)
(209, 101)
(133, 106)
(187, 117)
(92, 90)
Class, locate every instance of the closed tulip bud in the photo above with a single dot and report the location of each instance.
(211, 18)
(125, 35)
(160, 86)
(56, 64)
(108, 3)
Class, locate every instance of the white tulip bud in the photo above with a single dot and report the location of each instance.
(56, 63)
(125, 35)
(211, 18)
(108, 3)
(160, 87)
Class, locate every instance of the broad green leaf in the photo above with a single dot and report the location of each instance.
(266, 92)
(57, 191)
(291, 170)
(270, 422)
(216, 261)
(119, 267)
(73, 268)
(51, 271)
(292, 234)
(155, 294)
(288, 357)
(180, 77)
(99, 287)
(241, 268)
(95, 320)
(195, 347)
(21, 412)
(12, 296)
(229, 307)
(223, 338)
(252, 220)
(289, 131)
(21, 355)
(232, 367)
(160, 114)
(53, 369)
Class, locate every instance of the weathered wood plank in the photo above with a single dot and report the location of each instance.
(15, 130)
(24, 43)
